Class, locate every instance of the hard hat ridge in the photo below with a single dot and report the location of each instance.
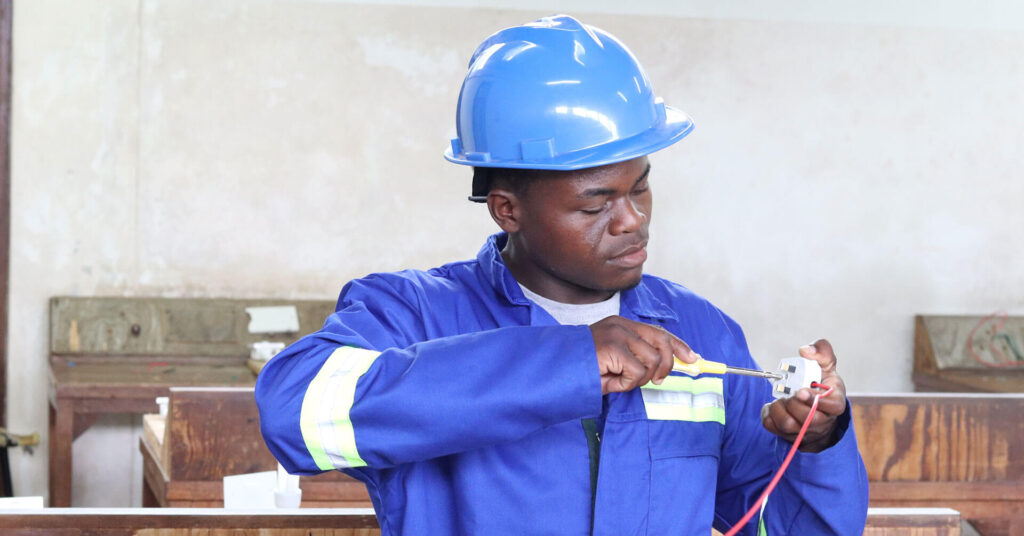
(558, 94)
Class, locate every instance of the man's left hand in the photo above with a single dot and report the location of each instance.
(785, 416)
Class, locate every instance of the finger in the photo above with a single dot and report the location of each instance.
(613, 384)
(787, 419)
(779, 422)
(683, 351)
(656, 336)
(822, 352)
(661, 340)
(822, 422)
(766, 421)
(834, 404)
(646, 354)
(609, 361)
(634, 372)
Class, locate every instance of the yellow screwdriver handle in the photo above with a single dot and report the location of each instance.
(701, 366)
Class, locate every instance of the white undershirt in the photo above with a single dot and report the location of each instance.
(575, 314)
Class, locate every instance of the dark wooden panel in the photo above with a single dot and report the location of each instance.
(211, 433)
(951, 438)
(961, 451)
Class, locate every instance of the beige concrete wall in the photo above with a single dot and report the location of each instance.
(842, 176)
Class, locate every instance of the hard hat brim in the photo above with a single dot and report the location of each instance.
(676, 126)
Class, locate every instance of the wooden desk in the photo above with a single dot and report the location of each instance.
(116, 355)
(210, 433)
(187, 522)
(963, 451)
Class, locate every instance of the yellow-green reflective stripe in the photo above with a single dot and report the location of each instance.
(324, 420)
(669, 412)
(682, 398)
(685, 383)
(761, 531)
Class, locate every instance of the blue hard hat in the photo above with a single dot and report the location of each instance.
(558, 94)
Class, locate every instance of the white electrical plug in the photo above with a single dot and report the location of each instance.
(797, 373)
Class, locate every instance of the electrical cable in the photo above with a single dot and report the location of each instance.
(763, 499)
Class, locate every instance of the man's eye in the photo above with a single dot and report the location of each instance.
(597, 209)
(640, 189)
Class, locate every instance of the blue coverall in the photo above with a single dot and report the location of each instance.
(466, 409)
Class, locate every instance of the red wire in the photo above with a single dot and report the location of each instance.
(785, 463)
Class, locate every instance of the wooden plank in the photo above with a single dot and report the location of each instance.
(154, 476)
(912, 522)
(6, 16)
(963, 439)
(993, 492)
(187, 522)
(61, 436)
(323, 493)
(924, 354)
(969, 381)
(153, 432)
(969, 353)
(122, 522)
(211, 433)
(164, 327)
(85, 379)
(963, 451)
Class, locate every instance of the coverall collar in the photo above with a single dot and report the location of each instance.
(639, 300)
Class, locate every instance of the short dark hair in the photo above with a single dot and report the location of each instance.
(516, 180)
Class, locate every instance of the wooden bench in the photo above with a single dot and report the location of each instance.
(210, 433)
(962, 451)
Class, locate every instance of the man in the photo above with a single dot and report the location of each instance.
(528, 391)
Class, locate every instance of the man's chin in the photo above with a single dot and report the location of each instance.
(629, 284)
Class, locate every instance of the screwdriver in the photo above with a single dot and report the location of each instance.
(703, 366)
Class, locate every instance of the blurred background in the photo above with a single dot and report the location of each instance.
(853, 164)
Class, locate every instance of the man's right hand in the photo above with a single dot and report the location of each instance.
(630, 354)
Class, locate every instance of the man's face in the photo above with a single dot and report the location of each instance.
(580, 236)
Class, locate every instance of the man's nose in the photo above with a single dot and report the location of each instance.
(629, 216)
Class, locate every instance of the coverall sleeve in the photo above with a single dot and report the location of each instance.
(366, 392)
(820, 493)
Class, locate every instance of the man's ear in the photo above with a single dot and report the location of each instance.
(505, 208)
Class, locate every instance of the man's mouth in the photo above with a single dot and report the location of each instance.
(631, 257)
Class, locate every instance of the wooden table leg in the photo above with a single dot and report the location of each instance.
(62, 420)
(149, 499)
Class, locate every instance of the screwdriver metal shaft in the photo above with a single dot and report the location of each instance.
(703, 366)
(752, 372)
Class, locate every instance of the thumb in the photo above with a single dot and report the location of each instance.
(820, 351)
